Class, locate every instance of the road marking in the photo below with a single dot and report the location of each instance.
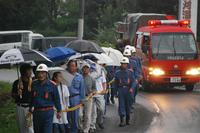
(156, 107)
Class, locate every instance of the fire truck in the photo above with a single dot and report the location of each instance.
(169, 54)
(127, 28)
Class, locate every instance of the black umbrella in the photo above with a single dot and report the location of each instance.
(84, 46)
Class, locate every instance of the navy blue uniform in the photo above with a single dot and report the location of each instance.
(134, 67)
(138, 65)
(138, 73)
(124, 82)
(110, 76)
(44, 98)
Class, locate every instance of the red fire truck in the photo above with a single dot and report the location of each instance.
(169, 54)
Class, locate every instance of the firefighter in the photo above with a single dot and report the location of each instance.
(44, 97)
(138, 61)
(110, 76)
(124, 84)
(134, 65)
(138, 74)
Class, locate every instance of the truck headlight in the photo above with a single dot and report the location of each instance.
(156, 71)
(193, 71)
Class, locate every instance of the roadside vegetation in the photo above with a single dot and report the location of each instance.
(7, 110)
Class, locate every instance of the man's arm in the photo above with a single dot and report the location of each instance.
(56, 98)
(82, 88)
(94, 85)
(104, 84)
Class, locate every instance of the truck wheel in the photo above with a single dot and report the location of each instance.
(189, 87)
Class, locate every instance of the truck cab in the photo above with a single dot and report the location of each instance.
(169, 54)
(32, 41)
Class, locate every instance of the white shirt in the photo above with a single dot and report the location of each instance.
(100, 78)
(64, 101)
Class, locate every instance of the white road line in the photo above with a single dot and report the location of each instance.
(156, 107)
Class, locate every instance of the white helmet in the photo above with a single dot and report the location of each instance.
(133, 49)
(127, 47)
(125, 60)
(127, 52)
(42, 67)
(84, 65)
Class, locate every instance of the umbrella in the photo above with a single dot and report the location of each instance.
(102, 58)
(84, 46)
(17, 56)
(114, 54)
(59, 53)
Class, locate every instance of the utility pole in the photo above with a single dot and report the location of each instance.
(81, 19)
(188, 9)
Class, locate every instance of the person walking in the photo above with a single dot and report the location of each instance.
(61, 125)
(90, 89)
(110, 76)
(43, 99)
(76, 87)
(21, 92)
(125, 84)
(98, 108)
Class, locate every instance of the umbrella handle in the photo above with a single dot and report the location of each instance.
(18, 78)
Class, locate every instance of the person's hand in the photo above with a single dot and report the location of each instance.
(131, 91)
(136, 81)
(31, 110)
(140, 77)
(58, 115)
(91, 94)
(19, 91)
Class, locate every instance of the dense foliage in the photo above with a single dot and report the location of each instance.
(56, 17)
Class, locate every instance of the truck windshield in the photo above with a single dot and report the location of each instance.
(37, 44)
(173, 44)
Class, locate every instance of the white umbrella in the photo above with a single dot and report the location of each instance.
(17, 56)
(114, 54)
(12, 56)
(21, 55)
(102, 58)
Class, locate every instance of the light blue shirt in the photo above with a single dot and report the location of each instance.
(77, 86)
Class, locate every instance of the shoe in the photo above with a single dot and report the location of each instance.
(122, 122)
(128, 120)
(112, 100)
(92, 130)
(101, 126)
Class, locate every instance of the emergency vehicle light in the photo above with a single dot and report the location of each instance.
(184, 22)
(154, 22)
(193, 71)
(168, 22)
(156, 71)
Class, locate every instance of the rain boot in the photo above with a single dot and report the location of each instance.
(128, 120)
(112, 99)
(122, 122)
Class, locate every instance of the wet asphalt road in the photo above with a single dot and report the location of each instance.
(157, 111)
(8, 75)
(160, 111)
(178, 111)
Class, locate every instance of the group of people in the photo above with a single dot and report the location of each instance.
(49, 98)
